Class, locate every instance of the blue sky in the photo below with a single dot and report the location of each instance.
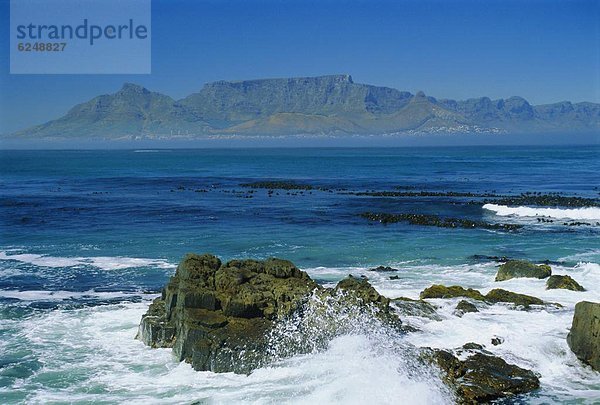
(545, 51)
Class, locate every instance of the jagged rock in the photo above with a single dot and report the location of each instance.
(522, 268)
(410, 307)
(483, 377)
(500, 295)
(584, 337)
(464, 307)
(394, 277)
(564, 282)
(441, 291)
(218, 317)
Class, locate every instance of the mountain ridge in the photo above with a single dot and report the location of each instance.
(321, 105)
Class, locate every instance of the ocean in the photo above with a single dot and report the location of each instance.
(88, 239)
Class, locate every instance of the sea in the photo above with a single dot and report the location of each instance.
(89, 237)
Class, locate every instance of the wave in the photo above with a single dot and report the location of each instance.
(101, 262)
(582, 214)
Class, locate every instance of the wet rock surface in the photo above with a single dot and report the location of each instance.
(383, 269)
(584, 337)
(483, 377)
(564, 282)
(219, 317)
(409, 307)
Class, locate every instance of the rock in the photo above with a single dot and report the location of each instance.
(497, 340)
(483, 377)
(383, 269)
(441, 291)
(565, 282)
(410, 307)
(472, 346)
(464, 307)
(394, 277)
(434, 220)
(522, 268)
(584, 337)
(216, 316)
(500, 295)
(222, 317)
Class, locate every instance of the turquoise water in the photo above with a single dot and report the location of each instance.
(88, 237)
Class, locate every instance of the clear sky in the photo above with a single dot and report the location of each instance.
(545, 51)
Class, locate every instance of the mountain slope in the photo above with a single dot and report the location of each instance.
(308, 105)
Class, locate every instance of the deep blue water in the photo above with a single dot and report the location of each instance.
(74, 219)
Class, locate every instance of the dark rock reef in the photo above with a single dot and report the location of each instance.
(522, 268)
(584, 337)
(564, 282)
(434, 220)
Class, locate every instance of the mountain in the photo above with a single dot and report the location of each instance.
(324, 105)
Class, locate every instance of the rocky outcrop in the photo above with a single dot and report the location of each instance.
(410, 307)
(584, 337)
(500, 295)
(494, 296)
(522, 268)
(482, 377)
(216, 316)
(441, 291)
(564, 282)
(219, 317)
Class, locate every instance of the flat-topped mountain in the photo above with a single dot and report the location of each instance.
(323, 105)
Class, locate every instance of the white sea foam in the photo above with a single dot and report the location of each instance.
(60, 295)
(102, 262)
(580, 214)
(98, 359)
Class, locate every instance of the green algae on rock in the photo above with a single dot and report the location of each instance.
(500, 295)
(584, 337)
(564, 282)
(522, 268)
(441, 291)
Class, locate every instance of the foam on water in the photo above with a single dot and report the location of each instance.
(90, 355)
(101, 262)
(580, 214)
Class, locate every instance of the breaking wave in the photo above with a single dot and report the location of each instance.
(581, 214)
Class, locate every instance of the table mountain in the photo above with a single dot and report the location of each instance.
(324, 105)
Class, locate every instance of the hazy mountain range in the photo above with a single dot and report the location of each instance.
(324, 105)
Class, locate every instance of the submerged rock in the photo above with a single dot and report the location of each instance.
(464, 307)
(441, 291)
(220, 317)
(483, 377)
(584, 337)
(564, 282)
(522, 268)
(383, 269)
